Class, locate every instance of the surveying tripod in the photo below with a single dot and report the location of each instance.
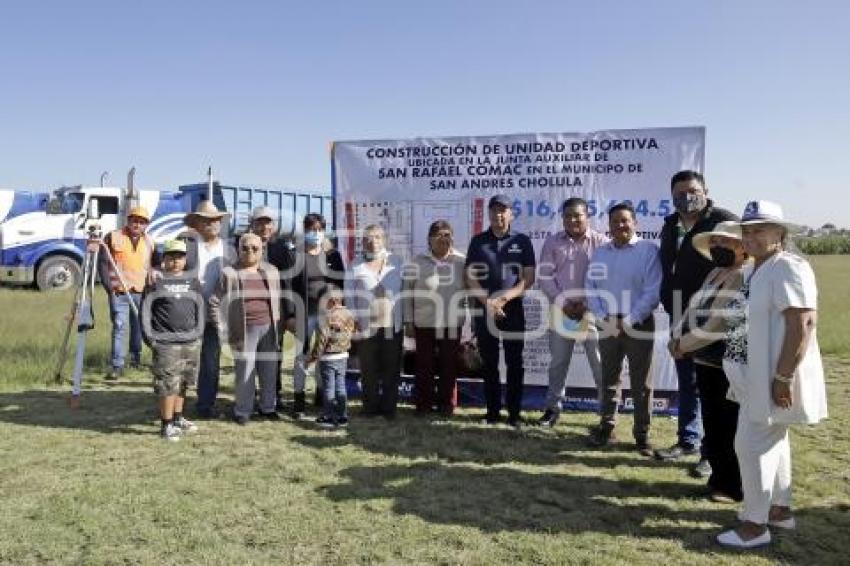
(82, 309)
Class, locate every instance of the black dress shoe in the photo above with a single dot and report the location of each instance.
(492, 419)
(675, 452)
(549, 418)
(600, 437)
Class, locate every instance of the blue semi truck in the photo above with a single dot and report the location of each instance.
(42, 235)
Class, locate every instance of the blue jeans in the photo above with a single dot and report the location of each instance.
(209, 369)
(122, 315)
(690, 419)
(332, 373)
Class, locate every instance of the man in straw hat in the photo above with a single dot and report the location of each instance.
(132, 249)
(207, 253)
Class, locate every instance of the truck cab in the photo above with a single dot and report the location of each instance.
(16, 202)
(46, 247)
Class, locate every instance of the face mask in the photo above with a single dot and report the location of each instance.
(689, 203)
(314, 238)
(722, 257)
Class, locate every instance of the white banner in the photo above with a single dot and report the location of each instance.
(405, 185)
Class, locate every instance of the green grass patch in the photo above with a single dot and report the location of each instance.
(833, 277)
(97, 486)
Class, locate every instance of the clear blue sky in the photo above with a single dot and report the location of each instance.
(258, 89)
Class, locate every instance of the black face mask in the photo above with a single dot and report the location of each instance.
(722, 257)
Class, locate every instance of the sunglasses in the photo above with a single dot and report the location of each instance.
(250, 249)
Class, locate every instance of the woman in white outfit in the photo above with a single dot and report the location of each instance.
(775, 372)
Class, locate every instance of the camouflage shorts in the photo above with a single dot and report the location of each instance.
(175, 367)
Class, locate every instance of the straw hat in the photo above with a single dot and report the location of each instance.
(729, 229)
(205, 209)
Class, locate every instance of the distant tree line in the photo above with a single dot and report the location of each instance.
(824, 245)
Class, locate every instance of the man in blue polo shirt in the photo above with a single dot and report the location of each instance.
(499, 268)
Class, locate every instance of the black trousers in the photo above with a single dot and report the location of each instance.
(719, 422)
(510, 333)
(380, 371)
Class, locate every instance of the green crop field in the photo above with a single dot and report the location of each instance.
(96, 485)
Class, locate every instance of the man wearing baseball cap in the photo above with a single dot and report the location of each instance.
(499, 269)
(173, 312)
(132, 251)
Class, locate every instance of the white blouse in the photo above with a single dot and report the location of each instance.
(784, 281)
(361, 293)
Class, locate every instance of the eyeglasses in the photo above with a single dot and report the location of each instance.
(254, 249)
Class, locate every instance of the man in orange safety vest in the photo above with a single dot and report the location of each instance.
(132, 251)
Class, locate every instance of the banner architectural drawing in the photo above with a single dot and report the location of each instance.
(406, 184)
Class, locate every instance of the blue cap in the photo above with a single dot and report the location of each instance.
(500, 200)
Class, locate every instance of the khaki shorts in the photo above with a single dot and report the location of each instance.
(175, 367)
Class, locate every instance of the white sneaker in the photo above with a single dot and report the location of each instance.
(186, 425)
(732, 539)
(171, 433)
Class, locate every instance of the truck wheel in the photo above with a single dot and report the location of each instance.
(58, 273)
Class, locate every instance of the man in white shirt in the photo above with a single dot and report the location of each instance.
(208, 254)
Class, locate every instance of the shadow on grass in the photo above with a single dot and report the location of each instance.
(106, 411)
(498, 499)
(495, 499)
(456, 441)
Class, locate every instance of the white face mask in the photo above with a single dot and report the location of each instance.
(314, 238)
